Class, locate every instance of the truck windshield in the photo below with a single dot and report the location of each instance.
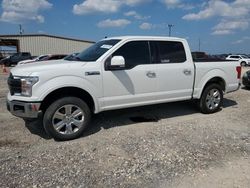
(95, 51)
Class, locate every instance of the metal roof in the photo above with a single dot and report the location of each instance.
(45, 35)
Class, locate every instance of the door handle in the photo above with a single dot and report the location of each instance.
(187, 72)
(151, 74)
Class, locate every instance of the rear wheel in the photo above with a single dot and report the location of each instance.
(211, 99)
(66, 118)
(243, 63)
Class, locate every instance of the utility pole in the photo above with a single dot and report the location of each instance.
(199, 44)
(20, 29)
(170, 29)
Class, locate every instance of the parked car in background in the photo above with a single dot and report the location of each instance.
(47, 58)
(199, 55)
(32, 60)
(203, 56)
(15, 58)
(246, 79)
(71, 56)
(53, 57)
(1, 56)
(244, 60)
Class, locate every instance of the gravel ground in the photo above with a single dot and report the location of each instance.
(175, 146)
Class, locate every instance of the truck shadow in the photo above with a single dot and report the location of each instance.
(245, 88)
(124, 117)
(152, 113)
(36, 127)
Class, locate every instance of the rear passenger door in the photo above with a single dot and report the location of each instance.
(175, 75)
(136, 83)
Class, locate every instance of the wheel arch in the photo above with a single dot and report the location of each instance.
(215, 80)
(69, 91)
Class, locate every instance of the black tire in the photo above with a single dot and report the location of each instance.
(210, 105)
(60, 106)
(243, 63)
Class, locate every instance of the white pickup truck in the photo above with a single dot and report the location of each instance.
(117, 73)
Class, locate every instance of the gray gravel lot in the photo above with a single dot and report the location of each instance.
(177, 147)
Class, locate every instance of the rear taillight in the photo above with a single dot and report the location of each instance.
(238, 69)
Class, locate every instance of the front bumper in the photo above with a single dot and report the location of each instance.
(24, 109)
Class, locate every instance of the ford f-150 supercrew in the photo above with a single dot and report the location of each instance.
(115, 73)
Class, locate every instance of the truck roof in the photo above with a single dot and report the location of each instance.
(145, 38)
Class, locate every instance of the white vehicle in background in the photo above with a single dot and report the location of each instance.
(32, 60)
(243, 59)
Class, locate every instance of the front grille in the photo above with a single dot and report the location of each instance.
(14, 85)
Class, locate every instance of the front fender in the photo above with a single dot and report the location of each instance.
(40, 91)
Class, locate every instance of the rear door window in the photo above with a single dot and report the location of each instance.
(167, 52)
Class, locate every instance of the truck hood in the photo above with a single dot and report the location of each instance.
(43, 66)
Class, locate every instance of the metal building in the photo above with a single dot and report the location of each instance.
(38, 44)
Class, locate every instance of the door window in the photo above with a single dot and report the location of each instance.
(167, 52)
(135, 53)
(235, 57)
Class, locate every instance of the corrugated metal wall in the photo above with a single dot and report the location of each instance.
(38, 45)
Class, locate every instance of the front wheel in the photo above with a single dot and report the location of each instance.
(211, 99)
(66, 118)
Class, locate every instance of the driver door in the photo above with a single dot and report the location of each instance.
(134, 84)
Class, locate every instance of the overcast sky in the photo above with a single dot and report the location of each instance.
(221, 25)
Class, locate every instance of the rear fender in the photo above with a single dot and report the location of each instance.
(200, 84)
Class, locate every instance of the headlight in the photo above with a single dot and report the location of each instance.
(26, 85)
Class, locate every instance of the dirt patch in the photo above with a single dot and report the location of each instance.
(11, 143)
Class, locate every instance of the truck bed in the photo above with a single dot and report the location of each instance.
(220, 69)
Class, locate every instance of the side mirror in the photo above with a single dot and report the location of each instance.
(117, 63)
